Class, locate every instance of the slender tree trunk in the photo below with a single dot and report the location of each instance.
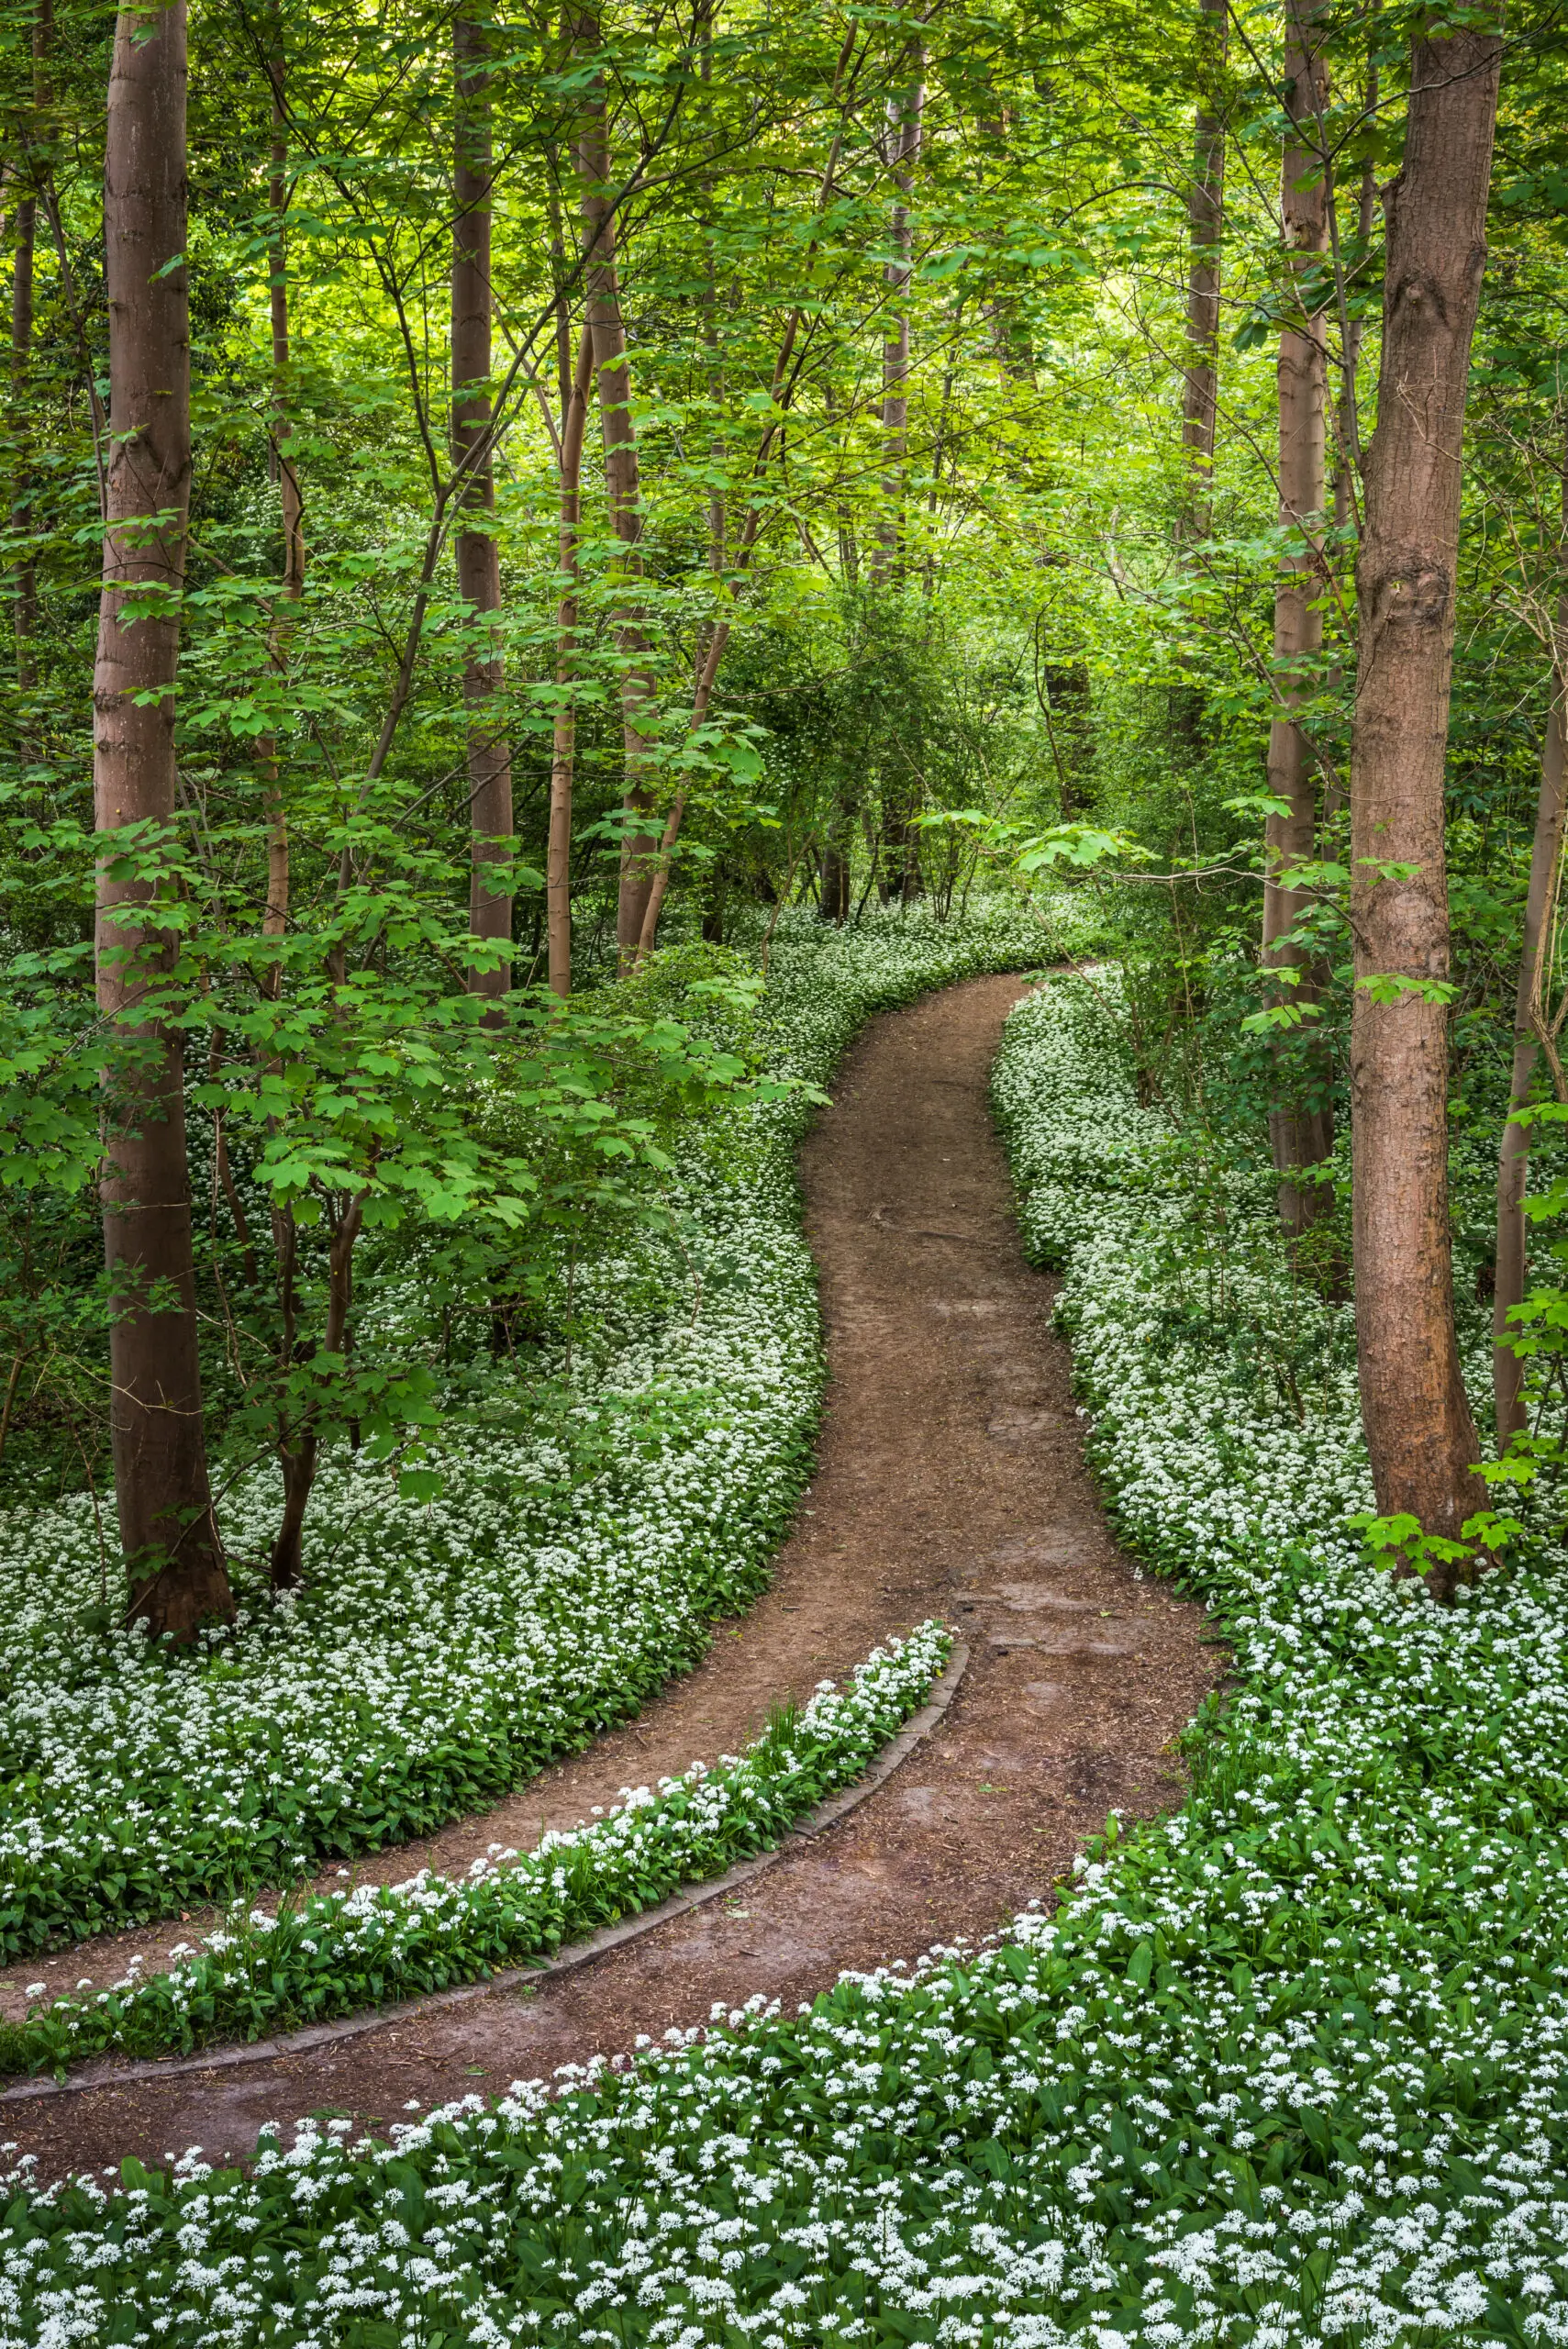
(1420, 1434)
(1300, 1134)
(299, 1455)
(623, 483)
(701, 699)
(275, 916)
(1347, 470)
(1347, 431)
(558, 278)
(478, 556)
(25, 612)
(833, 893)
(22, 290)
(905, 117)
(167, 1527)
(1205, 221)
(27, 593)
(558, 856)
(1530, 1016)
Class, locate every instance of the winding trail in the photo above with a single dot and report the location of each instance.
(951, 1481)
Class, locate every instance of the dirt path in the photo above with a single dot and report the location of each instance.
(950, 1482)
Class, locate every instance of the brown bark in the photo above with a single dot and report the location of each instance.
(701, 699)
(1347, 469)
(833, 901)
(558, 277)
(622, 485)
(299, 1451)
(1529, 1019)
(1206, 217)
(905, 117)
(167, 1527)
(1420, 1434)
(1347, 433)
(274, 919)
(26, 608)
(478, 556)
(1300, 1134)
(558, 854)
(22, 292)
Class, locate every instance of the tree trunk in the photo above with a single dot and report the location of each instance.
(1346, 472)
(1513, 1157)
(623, 483)
(275, 917)
(1419, 1432)
(833, 895)
(1347, 431)
(299, 1449)
(167, 1527)
(1300, 1134)
(26, 608)
(1206, 217)
(558, 855)
(478, 556)
(905, 119)
(22, 292)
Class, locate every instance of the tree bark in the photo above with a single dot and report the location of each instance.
(1513, 1157)
(1300, 1134)
(27, 594)
(833, 892)
(905, 119)
(1205, 220)
(275, 915)
(1420, 1434)
(1347, 432)
(478, 556)
(623, 483)
(299, 1452)
(167, 1527)
(23, 280)
(558, 854)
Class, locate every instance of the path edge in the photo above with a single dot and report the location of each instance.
(813, 1823)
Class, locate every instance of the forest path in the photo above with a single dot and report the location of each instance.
(949, 1482)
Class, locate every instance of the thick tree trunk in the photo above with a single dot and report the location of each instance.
(1419, 1432)
(558, 855)
(1300, 1134)
(167, 1527)
(905, 119)
(478, 556)
(1206, 219)
(1513, 1157)
(623, 483)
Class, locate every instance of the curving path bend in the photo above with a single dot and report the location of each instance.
(951, 1481)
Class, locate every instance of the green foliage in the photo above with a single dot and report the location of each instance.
(328, 1954)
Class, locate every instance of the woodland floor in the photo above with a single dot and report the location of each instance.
(949, 1482)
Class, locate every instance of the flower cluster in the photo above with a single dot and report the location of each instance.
(360, 1948)
(440, 1655)
(1289, 2065)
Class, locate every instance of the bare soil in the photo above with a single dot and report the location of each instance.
(950, 1482)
